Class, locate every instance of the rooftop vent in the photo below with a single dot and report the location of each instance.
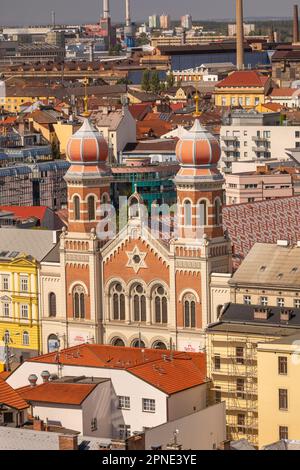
(32, 380)
(286, 315)
(262, 313)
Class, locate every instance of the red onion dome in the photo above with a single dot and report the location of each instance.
(87, 145)
(198, 147)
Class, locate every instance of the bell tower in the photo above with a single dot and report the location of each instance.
(200, 246)
(88, 181)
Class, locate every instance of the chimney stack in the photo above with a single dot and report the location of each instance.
(68, 442)
(106, 9)
(296, 25)
(128, 18)
(239, 35)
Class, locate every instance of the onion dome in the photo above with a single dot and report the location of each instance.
(87, 145)
(198, 147)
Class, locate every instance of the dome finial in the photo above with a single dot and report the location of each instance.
(86, 113)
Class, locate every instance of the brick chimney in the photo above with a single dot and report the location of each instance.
(296, 25)
(38, 425)
(239, 35)
(68, 442)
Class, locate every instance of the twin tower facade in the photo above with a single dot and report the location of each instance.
(135, 286)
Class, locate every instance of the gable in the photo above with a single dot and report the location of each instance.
(136, 258)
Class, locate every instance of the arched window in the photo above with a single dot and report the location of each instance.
(202, 213)
(76, 204)
(78, 302)
(25, 338)
(118, 342)
(189, 306)
(91, 208)
(217, 212)
(159, 345)
(53, 343)
(187, 213)
(139, 303)
(134, 208)
(160, 300)
(137, 343)
(52, 304)
(117, 302)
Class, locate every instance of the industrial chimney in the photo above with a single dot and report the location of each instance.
(239, 35)
(296, 25)
(128, 18)
(105, 9)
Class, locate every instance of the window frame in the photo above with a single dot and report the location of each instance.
(150, 408)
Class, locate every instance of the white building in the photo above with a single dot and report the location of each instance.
(145, 388)
(186, 22)
(256, 136)
(118, 128)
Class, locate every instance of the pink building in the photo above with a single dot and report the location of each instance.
(260, 185)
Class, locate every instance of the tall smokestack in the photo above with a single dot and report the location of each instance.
(296, 25)
(105, 9)
(128, 18)
(239, 35)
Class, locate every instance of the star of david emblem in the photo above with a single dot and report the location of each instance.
(136, 260)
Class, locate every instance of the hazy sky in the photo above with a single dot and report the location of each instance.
(39, 11)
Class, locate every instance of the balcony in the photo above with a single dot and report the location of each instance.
(260, 139)
(229, 138)
(231, 149)
(262, 149)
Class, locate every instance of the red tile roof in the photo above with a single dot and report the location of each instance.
(261, 222)
(53, 392)
(24, 212)
(140, 110)
(276, 107)
(246, 78)
(282, 92)
(10, 397)
(184, 371)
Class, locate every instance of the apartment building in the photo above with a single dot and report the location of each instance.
(260, 185)
(249, 136)
(265, 303)
(278, 384)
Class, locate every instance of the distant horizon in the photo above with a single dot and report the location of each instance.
(145, 20)
(38, 12)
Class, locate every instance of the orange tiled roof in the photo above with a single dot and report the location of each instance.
(10, 397)
(184, 371)
(54, 392)
(282, 92)
(246, 78)
(273, 106)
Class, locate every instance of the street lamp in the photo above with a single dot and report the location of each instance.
(7, 341)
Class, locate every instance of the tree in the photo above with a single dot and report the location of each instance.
(155, 82)
(170, 80)
(142, 40)
(146, 81)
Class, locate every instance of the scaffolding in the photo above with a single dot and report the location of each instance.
(234, 376)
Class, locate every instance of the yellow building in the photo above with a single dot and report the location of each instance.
(19, 317)
(232, 363)
(265, 306)
(278, 390)
(244, 89)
